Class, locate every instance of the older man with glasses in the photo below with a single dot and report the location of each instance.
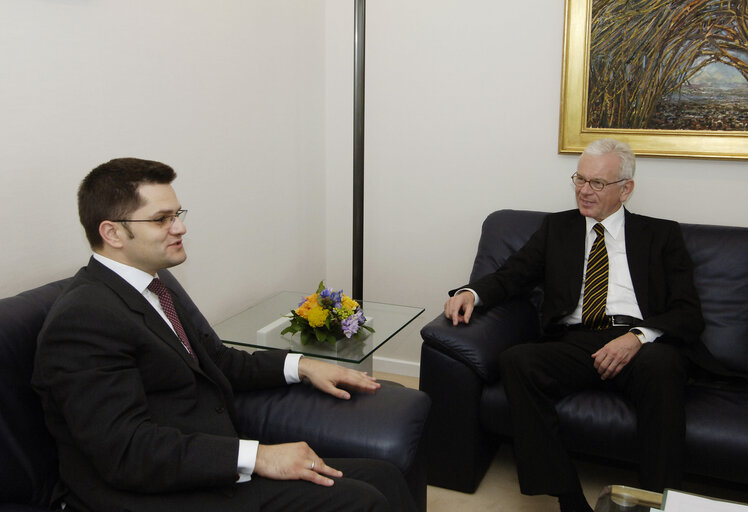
(620, 311)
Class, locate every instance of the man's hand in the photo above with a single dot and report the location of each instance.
(293, 461)
(328, 377)
(459, 307)
(616, 354)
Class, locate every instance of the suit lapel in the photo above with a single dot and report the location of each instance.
(207, 366)
(575, 252)
(138, 304)
(638, 241)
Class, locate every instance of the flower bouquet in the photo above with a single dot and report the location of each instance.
(327, 316)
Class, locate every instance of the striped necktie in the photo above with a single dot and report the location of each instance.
(167, 304)
(596, 284)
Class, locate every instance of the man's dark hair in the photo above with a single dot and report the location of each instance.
(110, 191)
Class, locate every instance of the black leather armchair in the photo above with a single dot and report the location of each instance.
(470, 414)
(387, 425)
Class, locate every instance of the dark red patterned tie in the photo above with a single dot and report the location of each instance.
(159, 288)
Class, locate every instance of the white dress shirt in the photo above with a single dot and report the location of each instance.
(140, 280)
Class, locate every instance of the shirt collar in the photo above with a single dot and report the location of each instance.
(613, 223)
(135, 277)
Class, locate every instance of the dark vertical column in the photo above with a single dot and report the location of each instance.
(358, 149)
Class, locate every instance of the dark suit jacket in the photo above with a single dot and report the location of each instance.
(660, 266)
(134, 417)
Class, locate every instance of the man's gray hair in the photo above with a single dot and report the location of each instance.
(602, 147)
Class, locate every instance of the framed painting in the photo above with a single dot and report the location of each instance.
(669, 77)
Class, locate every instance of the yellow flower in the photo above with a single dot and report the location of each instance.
(303, 310)
(349, 303)
(317, 316)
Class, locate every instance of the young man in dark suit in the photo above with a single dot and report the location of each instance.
(141, 404)
(619, 310)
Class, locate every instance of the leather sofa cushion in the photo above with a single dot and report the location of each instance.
(720, 257)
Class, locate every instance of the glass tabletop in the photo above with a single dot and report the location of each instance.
(260, 327)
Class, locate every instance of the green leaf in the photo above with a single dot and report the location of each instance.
(320, 335)
(290, 329)
(321, 286)
(306, 338)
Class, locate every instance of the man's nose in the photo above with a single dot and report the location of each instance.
(587, 188)
(178, 227)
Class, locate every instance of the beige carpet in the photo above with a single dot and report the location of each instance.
(499, 490)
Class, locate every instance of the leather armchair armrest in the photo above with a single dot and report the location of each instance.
(490, 332)
(387, 425)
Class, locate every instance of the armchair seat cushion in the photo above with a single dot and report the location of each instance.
(717, 432)
(589, 419)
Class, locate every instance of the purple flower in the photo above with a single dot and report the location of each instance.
(330, 297)
(351, 324)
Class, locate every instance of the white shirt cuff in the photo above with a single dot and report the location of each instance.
(649, 334)
(247, 459)
(477, 299)
(291, 368)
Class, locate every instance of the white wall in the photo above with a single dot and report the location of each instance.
(251, 102)
(461, 120)
(228, 92)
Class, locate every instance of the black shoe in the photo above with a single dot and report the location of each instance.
(574, 503)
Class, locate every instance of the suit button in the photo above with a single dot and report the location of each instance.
(219, 410)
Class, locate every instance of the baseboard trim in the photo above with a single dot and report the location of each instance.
(397, 366)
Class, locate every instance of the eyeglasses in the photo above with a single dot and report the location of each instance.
(595, 184)
(163, 221)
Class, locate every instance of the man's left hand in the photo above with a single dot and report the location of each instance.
(610, 360)
(331, 378)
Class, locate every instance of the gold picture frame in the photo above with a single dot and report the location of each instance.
(574, 133)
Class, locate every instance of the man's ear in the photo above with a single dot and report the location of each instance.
(111, 234)
(626, 190)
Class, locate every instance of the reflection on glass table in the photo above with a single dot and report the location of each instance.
(619, 498)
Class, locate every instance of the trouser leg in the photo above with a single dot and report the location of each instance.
(654, 380)
(535, 376)
(385, 477)
(367, 486)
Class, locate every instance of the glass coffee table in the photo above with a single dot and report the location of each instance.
(259, 327)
